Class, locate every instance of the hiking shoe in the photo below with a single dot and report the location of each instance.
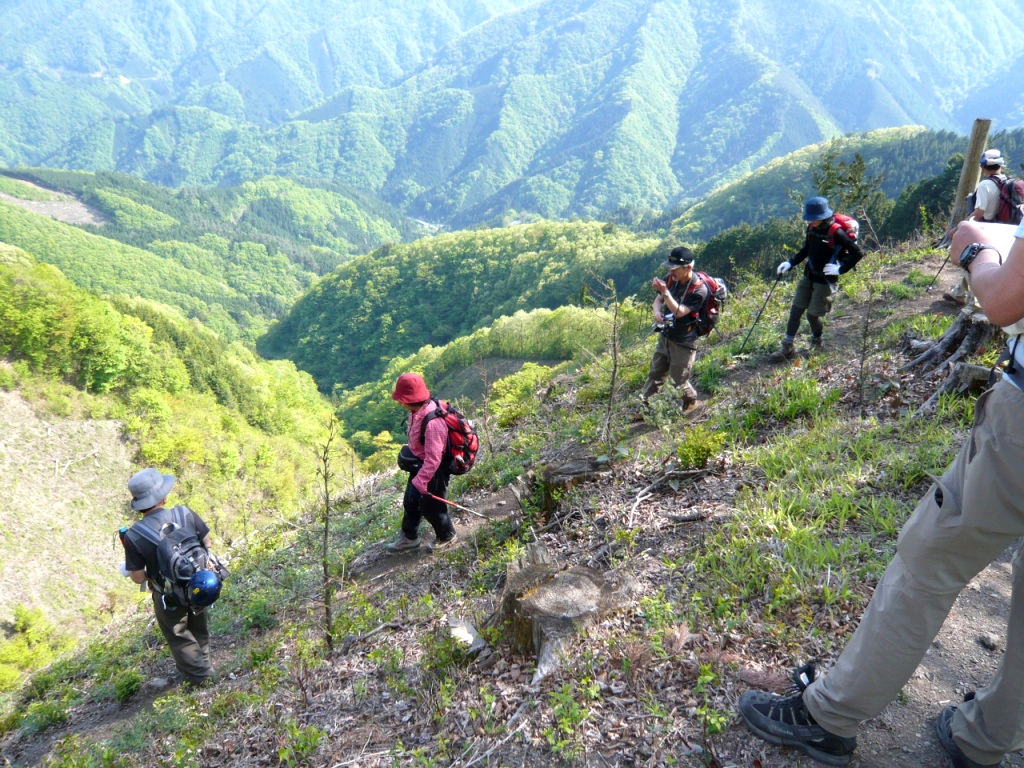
(448, 543)
(403, 543)
(817, 343)
(944, 730)
(784, 720)
(690, 407)
(788, 348)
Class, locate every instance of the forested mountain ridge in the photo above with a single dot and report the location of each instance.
(396, 300)
(898, 158)
(458, 112)
(234, 258)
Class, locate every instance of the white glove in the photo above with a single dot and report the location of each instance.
(831, 270)
(784, 267)
(124, 570)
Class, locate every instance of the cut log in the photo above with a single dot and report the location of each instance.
(544, 605)
(963, 378)
(967, 336)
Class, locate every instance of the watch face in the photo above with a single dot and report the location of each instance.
(968, 255)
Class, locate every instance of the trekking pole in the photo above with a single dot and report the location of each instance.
(946, 242)
(767, 299)
(458, 506)
(943, 265)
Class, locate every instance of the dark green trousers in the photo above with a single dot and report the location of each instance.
(188, 637)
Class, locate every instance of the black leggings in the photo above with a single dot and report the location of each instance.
(817, 327)
(435, 511)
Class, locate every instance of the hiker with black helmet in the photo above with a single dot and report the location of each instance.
(185, 629)
(679, 298)
(968, 518)
(423, 458)
(830, 251)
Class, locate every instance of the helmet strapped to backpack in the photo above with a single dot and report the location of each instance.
(203, 588)
(841, 221)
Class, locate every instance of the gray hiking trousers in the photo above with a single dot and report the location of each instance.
(966, 520)
(674, 361)
(188, 637)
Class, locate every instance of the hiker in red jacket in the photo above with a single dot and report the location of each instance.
(423, 459)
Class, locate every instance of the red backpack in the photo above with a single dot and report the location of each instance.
(707, 315)
(841, 221)
(463, 442)
(1011, 199)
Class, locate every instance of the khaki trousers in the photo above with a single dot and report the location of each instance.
(966, 520)
(188, 637)
(674, 361)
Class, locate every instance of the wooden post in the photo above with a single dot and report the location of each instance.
(971, 172)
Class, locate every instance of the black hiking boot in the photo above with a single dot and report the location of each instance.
(944, 730)
(784, 720)
(787, 349)
(817, 344)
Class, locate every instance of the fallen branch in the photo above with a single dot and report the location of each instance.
(75, 461)
(351, 640)
(501, 743)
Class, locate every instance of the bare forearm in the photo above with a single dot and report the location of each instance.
(1000, 287)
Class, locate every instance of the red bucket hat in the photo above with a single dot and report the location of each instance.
(410, 388)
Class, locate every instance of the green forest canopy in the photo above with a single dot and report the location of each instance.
(397, 300)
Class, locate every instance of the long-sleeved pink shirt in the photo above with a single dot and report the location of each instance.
(431, 448)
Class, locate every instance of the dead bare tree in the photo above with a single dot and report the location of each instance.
(325, 473)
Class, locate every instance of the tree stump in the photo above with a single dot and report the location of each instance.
(565, 476)
(967, 336)
(544, 605)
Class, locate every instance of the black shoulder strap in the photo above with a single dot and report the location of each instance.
(147, 530)
(438, 411)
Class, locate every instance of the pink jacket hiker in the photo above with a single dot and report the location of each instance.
(431, 449)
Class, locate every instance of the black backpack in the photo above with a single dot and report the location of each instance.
(179, 553)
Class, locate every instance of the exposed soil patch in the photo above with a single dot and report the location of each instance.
(55, 474)
(62, 208)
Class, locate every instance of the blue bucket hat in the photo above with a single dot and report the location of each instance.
(816, 209)
(148, 488)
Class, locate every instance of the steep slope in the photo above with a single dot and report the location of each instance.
(235, 257)
(750, 556)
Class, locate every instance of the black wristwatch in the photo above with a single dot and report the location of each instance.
(971, 251)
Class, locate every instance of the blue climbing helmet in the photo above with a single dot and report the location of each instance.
(203, 588)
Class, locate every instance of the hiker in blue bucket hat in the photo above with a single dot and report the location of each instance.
(830, 250)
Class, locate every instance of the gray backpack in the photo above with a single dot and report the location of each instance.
(179, 552)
